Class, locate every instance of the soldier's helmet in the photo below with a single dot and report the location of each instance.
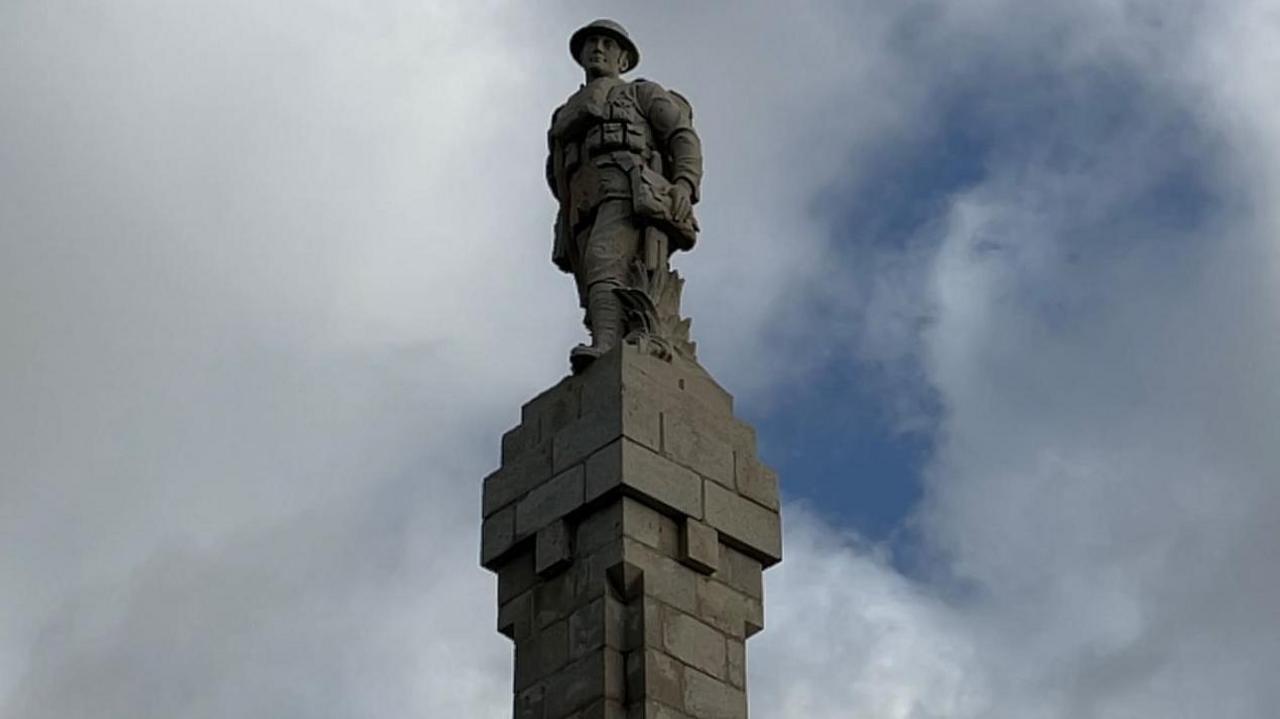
(604, 27)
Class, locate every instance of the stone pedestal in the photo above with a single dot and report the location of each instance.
(629, 526)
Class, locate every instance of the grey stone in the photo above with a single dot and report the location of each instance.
(664, 578)
(530, 703)
(515, 479)
(518, 441)
(756, 482)
(515, 618)
(541, 654)
(699, 546)
(598, 676)
(688, 445)
(724, 607)
(515, 575)
(550, 501)
(629, 415)
(614, 197)
(497, 535)
(553, 409)
(737, 659)
(626, 466)
(553, 548)
(709, 698)
(756, 529)
(653, 675)
(741, 572)
(602, 623)
(694, 643)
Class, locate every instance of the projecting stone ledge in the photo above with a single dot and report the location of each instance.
(629, 525)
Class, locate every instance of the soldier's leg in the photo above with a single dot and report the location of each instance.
(610, 250)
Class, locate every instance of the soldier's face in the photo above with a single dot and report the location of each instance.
(602, 55)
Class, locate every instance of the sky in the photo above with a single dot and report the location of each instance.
(998, 283)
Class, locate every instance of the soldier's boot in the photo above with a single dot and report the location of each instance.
(606, 325)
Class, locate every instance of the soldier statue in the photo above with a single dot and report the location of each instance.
(625, 165)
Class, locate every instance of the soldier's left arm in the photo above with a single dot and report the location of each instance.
(671, 119)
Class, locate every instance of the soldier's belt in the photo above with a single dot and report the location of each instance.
(616, 135)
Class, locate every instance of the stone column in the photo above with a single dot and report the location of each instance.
(629, 526)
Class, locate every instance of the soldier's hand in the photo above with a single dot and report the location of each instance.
(681, 202)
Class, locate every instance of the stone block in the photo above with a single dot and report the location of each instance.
(530, 703)
(603, 709)
(550, 501)
(743, 573)
(599, 527)
(541, 654)
(627, 467)
(554, 408)
(755, 481)
(655, 710)
(653, 675)
(699, 546)
(553, 548)
(515, 575)
(515, 618)
(689, 445)
(736, 656)
(634, 416)
(519, 441)
(725, 608)
(709, 698)
(754, 528)
(694, 643)
(598, 676)
(665, 579)
(497, 535)
(516, 478)
(649, 526)
(601, 623)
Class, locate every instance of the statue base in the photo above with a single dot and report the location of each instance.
(629, 526)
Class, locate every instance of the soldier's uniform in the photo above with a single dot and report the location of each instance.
(616, 147)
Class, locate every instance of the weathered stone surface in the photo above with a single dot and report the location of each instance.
(550, 501)
(752, 526)
(553, 548)
(600, 675)
(516, 478)
(625, 466)
(497, 535)
(688, 445)
(541, 654)
(724, 607)
(530, 703)
(743, 573)
(653, 675)
(706, 697)
(553, 409)
(515, 618)
(601, 623)
(737, 659)
(699, 546)
(694, 643)
(664, 578)
(633, 415)
(756, 481)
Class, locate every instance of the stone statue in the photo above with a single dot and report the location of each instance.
(625, 165)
